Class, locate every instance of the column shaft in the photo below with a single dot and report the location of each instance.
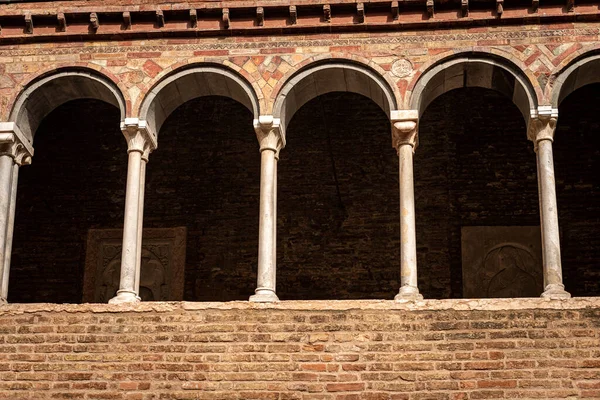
(408, 241)
(553, 281)
(127, 291)
(274, 274)
(265, 290)
(6, 179)
(9, 233)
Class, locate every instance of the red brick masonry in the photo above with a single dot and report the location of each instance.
(342, 350)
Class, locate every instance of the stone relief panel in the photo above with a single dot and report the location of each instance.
(501, 261)
(162, 267)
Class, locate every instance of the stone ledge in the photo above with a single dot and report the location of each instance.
(314, 305)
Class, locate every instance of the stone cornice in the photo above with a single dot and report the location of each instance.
(197, 44)
(76, 21)
(490, 305)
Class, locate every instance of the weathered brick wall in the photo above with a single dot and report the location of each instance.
(371, 350)
(338, 195)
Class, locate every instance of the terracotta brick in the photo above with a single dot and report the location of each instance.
(345, 387)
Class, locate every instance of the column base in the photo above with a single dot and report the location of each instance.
(408, 293)
(555, 291)
(3, 301)
(264, 296)
(125, 297)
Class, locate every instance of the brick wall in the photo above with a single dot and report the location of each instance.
(375, 350)
(338, 228)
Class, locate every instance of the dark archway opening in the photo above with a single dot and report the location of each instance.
(76, 182)
(474, 167)
(338, 221)
(205, 175)
(577, 167)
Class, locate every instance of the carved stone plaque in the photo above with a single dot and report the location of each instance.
(402, 68)
(162, 268)
(502, 261)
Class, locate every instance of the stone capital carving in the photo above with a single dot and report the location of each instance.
(405, 128)
(138, 136)
(269, 133)
(542, 124)
(14, 144)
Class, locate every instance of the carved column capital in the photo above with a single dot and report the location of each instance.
(405, 128)
(14, 144)
(542, 124)
(269, 133)
(138, 136)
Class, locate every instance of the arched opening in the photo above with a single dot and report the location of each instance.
(47, 93)
(338, 224)
(576, 163)
(474, 168)
(332, 76)
(75, 183)
(191, 83)
(205, 177)
(476, 194)
(474, 70)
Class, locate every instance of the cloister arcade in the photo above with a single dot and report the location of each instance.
(485, 145)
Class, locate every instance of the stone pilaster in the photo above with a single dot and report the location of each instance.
(541, 131)
(404, 140)
(271, 140)
(140, 143)
(15, 151)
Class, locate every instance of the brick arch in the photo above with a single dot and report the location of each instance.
(326, 74)
(189, 63)
(175, 87)
(54, 86)
(472, 69)
(580, 70)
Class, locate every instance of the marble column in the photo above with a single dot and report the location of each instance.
(271, 140)
(404, 138)
(15, 151)
(541, 131)
(139, 142)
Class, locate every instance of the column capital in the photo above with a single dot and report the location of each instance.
(405, 128)
(138, 136)
(542, 124)
(269, 133)
(14, 144)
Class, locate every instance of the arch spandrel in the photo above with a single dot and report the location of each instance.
(192, 82)
(43, 95)
(474, 70)
(332, 75)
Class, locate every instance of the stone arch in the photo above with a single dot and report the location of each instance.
(474, 70)
(47, 92)
(332, 75)
(579, 72)
(192, 82)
